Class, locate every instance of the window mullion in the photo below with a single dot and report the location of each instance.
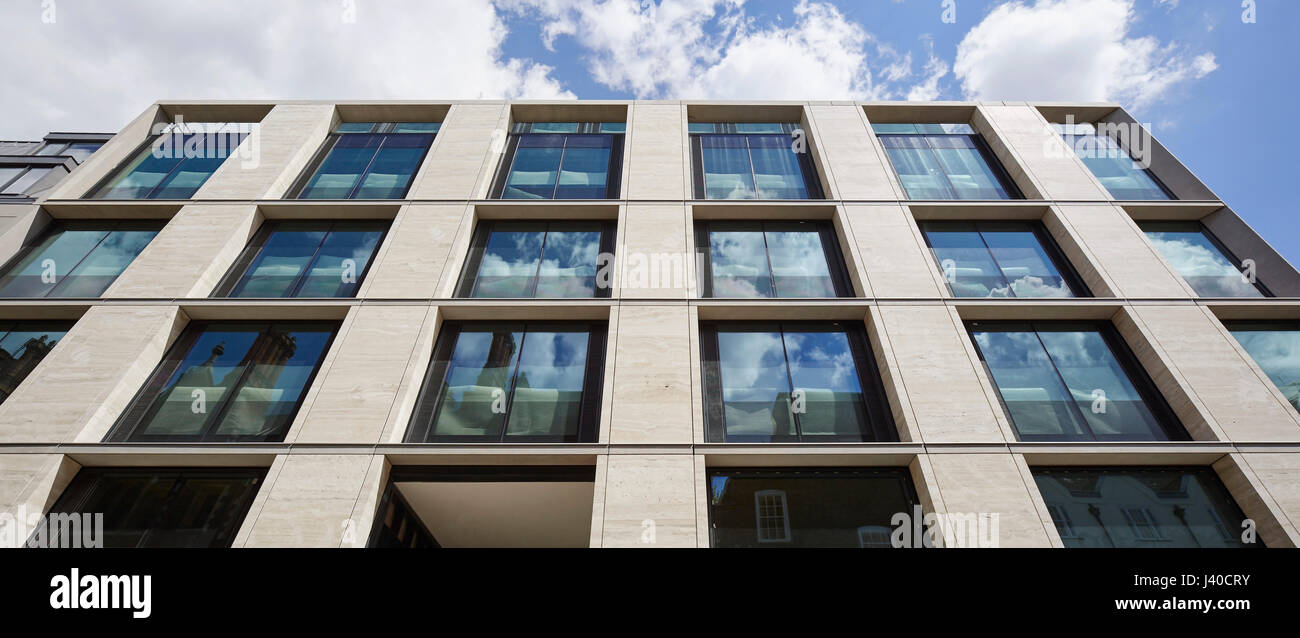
(767, 254)
(175, 167)
(952, 188)
(541, 253)
(228, 401)
(514, 377)
(366, 171)
(994, 258)
(301, 280)
(789, 377)
(1074, 405)
(61, 281)
(559, 168)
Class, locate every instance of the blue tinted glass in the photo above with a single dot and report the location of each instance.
(894, 129)
(1114, 168)
(555, 127)
(965, 261)
(827, 394)
(739, 263)
(798, 260)
(342, 169)
(728, 173)
(584, 170)
(1100, 387)
(479, 379)
(568, 266)
(355, 127)
(510, 260)
(264, 403)
(1205, 268)
(751, 127)
(142, 175)
(701, 127)
(77, 261)
(970, 176)
(1024, 262)
(101, 267)
(207, 375)
(942, 166)
(755, 384)
(417, 127)
(918, 169)
(1039, 404)
(173, 166)
(310, 259)
(1277, 352)
(547, 398)
(341, 260)
(22, 347)
(280, 263)
(777, 174)
(535, 168)
(613, 127)
(393, 166)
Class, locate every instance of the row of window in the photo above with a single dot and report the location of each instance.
(558, 259)
(768, 507)
(583, 160)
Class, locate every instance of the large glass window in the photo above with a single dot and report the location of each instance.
(17, 180)
(1141, 507)
(305, 259)
(367, 160)
(823, 507)
(76, 259)
(160, 507)
(1000, 259)
(228, 381)
(23, 344)
(944, 161)
(770, 259)
(1111, 164)
(1064, 381)
(562, 160)
(175, 164)
(795, 381)
(513, 383)
(752, 161)
(1204, 263)
(1275, 347)
(539, 259)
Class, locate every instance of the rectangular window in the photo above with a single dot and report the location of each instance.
(1203, 262)
(305, 259)
(1000, 259)
(161, 507)
(512, 383)
(367, 160)
(1275, 347)
(944, 161)
(770, 259)
(752, 161)
(1065, 381)
(539, 259)
(76, 258)
(174, 164)
(16, 181)
(1141, 507)
(794, 381)
(23, 344)
(561, 160)
(227, 381)
(822, 507)
(1111, 164)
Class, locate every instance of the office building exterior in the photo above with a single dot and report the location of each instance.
(645, 324)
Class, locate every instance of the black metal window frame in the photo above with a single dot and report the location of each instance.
(990, 159)
(876, 408)
(811, 177)
(433, 388)
(382, 128)
(1116, 141)
(468, 281)
(1049, 245)
(111, 176)
(255, 246)
(1136, 374)
(58, 226)
(613, 175)
(136, 414)
(1214, 241)
(839, 271)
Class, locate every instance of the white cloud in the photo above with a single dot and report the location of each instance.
(101, 63)
(1071, 50)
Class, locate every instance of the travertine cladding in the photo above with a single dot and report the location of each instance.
(992, 484)
(652, 385)
(273, 155)
(655, 261)
(657, 169)
(855, 161)
(102, 162)
(1048, 160)
(190, 255)
(463, 158)
(308, 500)
(416, 256)
(1124, 255)
(892, 258)
(649, 501)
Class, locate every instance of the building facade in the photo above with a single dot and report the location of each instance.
(645, 324)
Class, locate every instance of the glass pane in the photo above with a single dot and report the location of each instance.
(204, 512)
(417, 127)
(555, 127)
(478, 383)
(21, 349)
(102, 266)
(144, 173)
(613, 127)
(45, 266)
(760, 127)
(584, 172)
(728, 173)
(739, 261)
(22, 184)
(1277, 352)
(343, 167)
(9, 172)
(1023, 261)
(510, 260)
(965, 261)
(1205, 268)
(1039, 404)
(340, 262)
(755, 385)
(52, 149)
(1100, 386)
(806, 508)
(280, 263)
(1141, 508)
(777, 174)
(80, 151)
(283, 360)
(798, 260)
(917, 167)
(965, 167)
(130, 505)
(827, 394)
(194, 392)
(1114, 167)
(547, 398)
(186, 179)
(535, 167)
(568, 267)
(393, 166)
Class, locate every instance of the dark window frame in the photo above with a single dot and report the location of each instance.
(831, 248)
(1045, 240)
(1199, 226)
(100, 186)
(60, 225)
(127, 427)
(296, 190)
(255, 246)
(613, 175)
(1149, 171)
(468, 280)
(419, 428)
(981, 145)
(807, 167)
(1154, 400)
(877, 412)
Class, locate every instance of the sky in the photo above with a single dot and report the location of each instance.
(1208, 77)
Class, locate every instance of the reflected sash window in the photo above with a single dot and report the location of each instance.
(1000, 259)
(367, 160)
(770, 259)
(174, 164)
(76, 259)
(512, 383)
(1275, 347)
(944, 161)
(814, 507)
(1064, 381)
(752, 161)
(539, 259)
(305, 259)
(1204, 263)
(228, 381)
(1141, 507)
(1111, 164)
(561, 160)
(23, 344)
(795, 381)
(158, 507)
